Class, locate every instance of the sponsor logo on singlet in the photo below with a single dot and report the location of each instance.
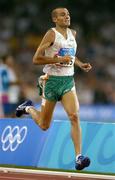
(64, 52)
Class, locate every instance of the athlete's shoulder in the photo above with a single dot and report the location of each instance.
(74, 32)
(49, 36)
(50, 32)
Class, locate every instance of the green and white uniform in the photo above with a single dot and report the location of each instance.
(60, 74)
(61, 47)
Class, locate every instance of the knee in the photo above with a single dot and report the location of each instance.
(74, 117)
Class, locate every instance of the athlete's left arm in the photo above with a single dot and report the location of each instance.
(84, 66)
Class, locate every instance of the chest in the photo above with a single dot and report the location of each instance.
(61, 42)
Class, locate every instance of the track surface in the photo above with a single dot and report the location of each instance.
(21, 174)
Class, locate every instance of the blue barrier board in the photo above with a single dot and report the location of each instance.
(23, 143)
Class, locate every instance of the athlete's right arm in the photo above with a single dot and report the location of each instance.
(40, 58)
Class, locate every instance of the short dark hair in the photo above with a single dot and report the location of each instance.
(54, 11)
(5, 57)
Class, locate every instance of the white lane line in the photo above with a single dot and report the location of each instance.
(67, 174)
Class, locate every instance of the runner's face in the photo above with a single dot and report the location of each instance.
(63, 17)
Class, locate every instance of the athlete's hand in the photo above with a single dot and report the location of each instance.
(86, 67)
(65, 59)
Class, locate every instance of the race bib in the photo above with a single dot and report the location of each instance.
(69, 52)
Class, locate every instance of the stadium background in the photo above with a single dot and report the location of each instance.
(22, 25)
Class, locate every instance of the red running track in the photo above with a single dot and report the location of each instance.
(28, 174)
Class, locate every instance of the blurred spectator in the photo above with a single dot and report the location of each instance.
(4, 86)
(13, 85)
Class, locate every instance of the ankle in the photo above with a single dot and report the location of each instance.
(78, 156)
(27, 109)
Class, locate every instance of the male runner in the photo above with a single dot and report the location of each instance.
(57, 52)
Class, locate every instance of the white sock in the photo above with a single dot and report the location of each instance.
(27, 108)
(78, 156)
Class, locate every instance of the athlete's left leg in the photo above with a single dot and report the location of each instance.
(71, 106)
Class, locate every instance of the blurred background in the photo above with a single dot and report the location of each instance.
(22, 26)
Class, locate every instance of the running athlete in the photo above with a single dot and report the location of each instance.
(57, 52)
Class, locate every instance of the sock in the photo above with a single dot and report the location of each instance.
(27, 108)
(78, 156)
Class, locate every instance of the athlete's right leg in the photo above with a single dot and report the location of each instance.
(43, 117)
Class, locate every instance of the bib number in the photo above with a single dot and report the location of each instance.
(67, 64)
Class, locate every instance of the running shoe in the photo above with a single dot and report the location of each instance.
(20, 110)
(82, 162)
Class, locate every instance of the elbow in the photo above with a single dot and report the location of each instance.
(35, 60)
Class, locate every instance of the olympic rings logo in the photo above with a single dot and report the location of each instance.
(12, 137)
